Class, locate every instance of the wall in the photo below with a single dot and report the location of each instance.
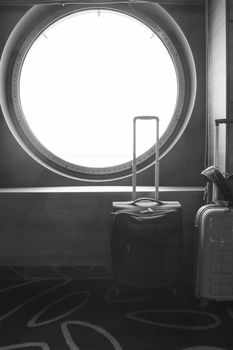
(18, 169)
(229, 59)
(55, 227)
(58, 227)
(220, 82)
(216, 76)
(182, 166)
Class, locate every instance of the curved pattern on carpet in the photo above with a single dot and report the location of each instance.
(134, 316)
(73, 346)
(29, 300)
(34, 321)
(86, 314)
(40, 345)
(203, 348)
(18, 285)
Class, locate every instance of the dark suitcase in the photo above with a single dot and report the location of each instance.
(146, 241)
(214, 229)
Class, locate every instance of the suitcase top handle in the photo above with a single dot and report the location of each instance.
(143, 199)
(134, 165)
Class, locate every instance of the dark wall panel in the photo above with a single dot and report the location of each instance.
(188, 156)
(42, 228)
(229, 28)
(216, 52)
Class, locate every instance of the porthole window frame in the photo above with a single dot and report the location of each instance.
(33, 23)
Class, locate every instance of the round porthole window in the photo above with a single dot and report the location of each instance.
(79, 77)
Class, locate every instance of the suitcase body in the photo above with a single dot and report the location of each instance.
(146, 241)
(214, 270)
(146, 244)
(214, 232)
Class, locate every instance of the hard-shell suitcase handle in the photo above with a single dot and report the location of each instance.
(134, 165)
(216, 152)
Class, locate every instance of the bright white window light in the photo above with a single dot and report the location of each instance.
(85, 78)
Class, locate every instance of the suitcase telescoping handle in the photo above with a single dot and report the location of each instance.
(134, 164)
(216, 152)
(216, 160)
(216, 155)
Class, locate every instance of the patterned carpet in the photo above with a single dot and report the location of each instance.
(85, 314)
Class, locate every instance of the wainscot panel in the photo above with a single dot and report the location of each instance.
(71, 226)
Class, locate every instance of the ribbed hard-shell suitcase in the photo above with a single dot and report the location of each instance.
(214, 232)
(214, 270)
(146, 241)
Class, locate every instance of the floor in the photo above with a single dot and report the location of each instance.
(60, 312)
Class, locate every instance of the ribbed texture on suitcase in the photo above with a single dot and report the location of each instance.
(214, 274)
